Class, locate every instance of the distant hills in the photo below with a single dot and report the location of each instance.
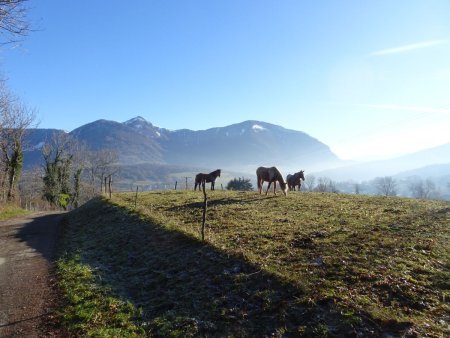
(150, 153)
(429, 162)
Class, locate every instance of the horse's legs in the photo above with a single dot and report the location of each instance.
(212, 185)
(274, 187)
(268, 187)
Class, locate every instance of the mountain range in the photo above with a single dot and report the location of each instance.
(150, 153)
(240, 147)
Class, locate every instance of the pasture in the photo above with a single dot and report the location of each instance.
(308, 264)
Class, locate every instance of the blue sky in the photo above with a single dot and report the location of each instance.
(371, 79)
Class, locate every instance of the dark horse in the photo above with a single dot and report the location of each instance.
(271, 175)
(294, 180)
(208, 178)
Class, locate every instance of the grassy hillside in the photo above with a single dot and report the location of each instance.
(308, 264)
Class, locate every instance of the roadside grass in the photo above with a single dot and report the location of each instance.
(89, 308)
(8, 211)
(309, 264)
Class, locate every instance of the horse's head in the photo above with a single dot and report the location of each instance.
(284, 187)
(301, 174)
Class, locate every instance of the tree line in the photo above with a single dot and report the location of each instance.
(415, 187)
(70, 173)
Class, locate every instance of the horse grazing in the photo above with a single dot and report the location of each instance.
(271, 175)
(207, 178)
(294, 180)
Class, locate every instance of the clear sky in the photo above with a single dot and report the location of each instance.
(371, 79)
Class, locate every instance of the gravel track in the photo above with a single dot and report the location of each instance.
(27, 292)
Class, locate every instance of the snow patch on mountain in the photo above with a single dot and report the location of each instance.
(39, 145)
(258, 128)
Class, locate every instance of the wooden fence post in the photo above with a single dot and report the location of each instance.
(135, 197)
(110, 186)
(205, 206)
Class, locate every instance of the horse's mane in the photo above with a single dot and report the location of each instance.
(278, 175)
(280, 179)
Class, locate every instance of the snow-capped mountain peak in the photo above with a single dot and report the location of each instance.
(136, 120)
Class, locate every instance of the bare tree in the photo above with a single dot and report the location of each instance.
(31, 187)
(13, 22)
(15, 119)
(386, 186)
(106, 166)
(101, 165)
(310, 181)
(322, 185)
(423, 189)
(92, 170)
(79, 165)
(325, 184)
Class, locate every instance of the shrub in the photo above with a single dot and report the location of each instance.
(242, 184)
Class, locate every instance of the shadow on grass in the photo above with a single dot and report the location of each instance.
(222, 201)
(183, 285)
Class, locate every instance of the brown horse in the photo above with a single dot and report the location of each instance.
(207, 178)
(271, 175)
(295, 180)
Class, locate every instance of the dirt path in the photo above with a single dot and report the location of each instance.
(27, 248)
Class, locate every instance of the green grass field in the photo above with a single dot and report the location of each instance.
(8, 211)
(309, 264)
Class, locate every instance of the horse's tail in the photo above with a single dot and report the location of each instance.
(258, 179)
(197, 182)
